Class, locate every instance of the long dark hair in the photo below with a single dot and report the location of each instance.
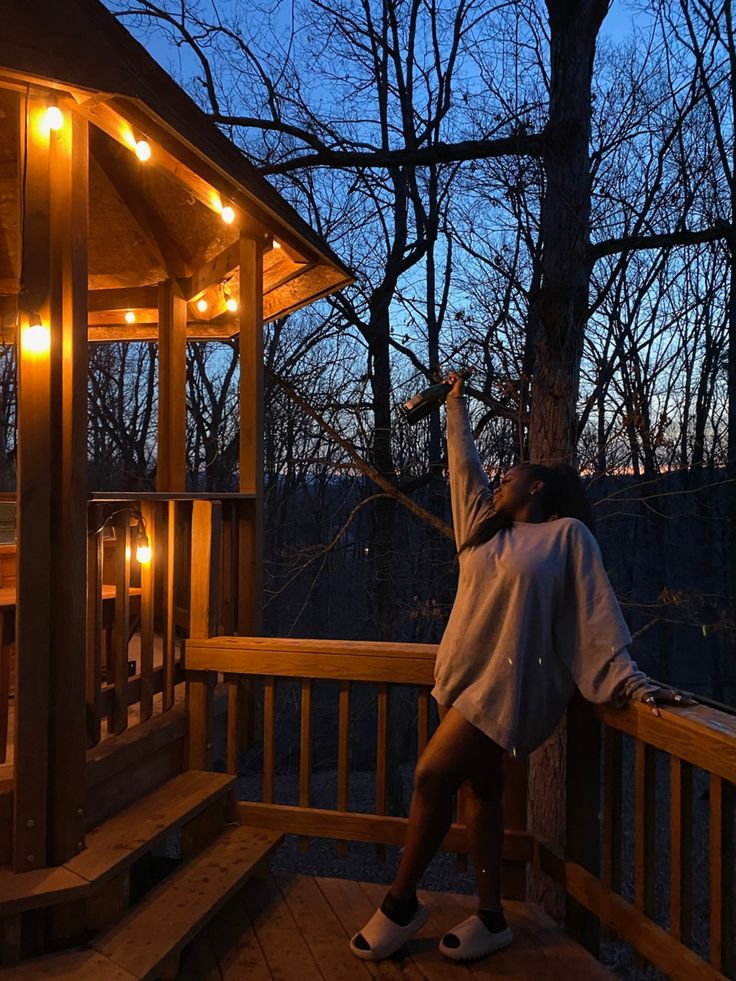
(563, 495)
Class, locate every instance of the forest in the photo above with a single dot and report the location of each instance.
(541, 191)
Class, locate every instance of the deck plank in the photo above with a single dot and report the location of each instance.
(320, 928)
(86, 965)
(277, 932)
(236, 946)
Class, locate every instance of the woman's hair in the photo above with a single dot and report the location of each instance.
(563, 494)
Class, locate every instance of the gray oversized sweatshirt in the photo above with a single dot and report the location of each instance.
(534, 616)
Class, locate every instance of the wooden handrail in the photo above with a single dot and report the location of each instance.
(701, 736)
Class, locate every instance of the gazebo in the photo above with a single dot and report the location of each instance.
(129, 662)
(124, 214)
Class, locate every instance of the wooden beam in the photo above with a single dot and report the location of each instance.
(196, 331)
(212, 272)
(123, 298)
(116, 165)
(33, 613)
(250, 546)
(171, 458)
(68, 546)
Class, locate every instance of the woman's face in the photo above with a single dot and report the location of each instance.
(514, 493)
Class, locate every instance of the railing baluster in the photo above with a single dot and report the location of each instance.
(147, 611)
(169, 628)
(269, 754)
(343, 755)
(611, 818)
(721, 875)
(233, 722)
(121, 624)
(381, 757)
(305, 753)
(681, 831)
(94, 636)
(644, 831)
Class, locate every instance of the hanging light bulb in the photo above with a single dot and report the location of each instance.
(228, 215)
(54, 117)
(142, 544)
(276, 245)
(231, 303)
(202, 305)
(143, 150)
(35, 337)
(129, 317)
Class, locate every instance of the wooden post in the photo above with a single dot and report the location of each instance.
(172, 366)
(52, 494)
(250, 548)
(204, 608)
(583, 805)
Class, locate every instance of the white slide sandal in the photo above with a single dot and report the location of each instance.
(384, 937)
(474, 940)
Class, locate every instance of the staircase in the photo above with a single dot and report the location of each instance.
(88, 900)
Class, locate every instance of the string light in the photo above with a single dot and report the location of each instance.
(202, 305)
(143, 150)
(276, 245)
(35, 337)
(129, 317)
(142, 544)
(231, 303)
(228, 215)
(54, 117)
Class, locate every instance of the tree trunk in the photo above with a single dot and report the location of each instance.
(560, 309)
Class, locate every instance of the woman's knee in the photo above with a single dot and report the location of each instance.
(431, 780)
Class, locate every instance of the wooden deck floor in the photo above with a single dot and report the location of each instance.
(296, 928)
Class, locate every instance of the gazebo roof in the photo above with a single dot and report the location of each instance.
(161, 219)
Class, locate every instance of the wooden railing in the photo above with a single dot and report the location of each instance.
(307, 672)
(619, 808)
(138, 614)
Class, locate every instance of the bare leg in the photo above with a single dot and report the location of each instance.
(457, 751)
(484, 816)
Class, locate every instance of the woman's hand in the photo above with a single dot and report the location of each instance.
(667, 696)
(457, 381)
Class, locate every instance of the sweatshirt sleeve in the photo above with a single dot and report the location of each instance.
(592, 635)
(472, 498)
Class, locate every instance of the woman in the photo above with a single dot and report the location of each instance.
(534, 617)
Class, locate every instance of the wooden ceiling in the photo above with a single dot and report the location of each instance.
(150, 221)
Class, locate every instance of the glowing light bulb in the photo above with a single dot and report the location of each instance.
(202, 305)
(143, 553)
(276, 245)
(228, 215)
(143, 150)
(232, 304)
(36, 338)
(54, 117)
(129, 317)
(142, 544)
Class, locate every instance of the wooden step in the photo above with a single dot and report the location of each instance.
(181, 906)
(166, 920)
(116, 843)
